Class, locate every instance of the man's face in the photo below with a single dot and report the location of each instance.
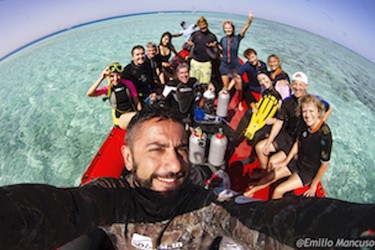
(203, 26)
(310, 114)
(299, 88)
(159, 155)
(253, 59)
(138, 56)
(151, 51)
(183, 75)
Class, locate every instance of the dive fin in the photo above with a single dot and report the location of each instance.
(267, 108)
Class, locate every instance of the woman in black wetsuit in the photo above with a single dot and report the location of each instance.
(312, 148)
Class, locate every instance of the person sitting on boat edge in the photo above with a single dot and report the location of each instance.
(157, 206)
(284, 131)
(121, 93)
(309, 157)
(268, 105)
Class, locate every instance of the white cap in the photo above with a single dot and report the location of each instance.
(300, 76)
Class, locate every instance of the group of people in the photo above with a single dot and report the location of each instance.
(158, 204)
(153, 78)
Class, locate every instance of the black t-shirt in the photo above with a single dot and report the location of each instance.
(200, 40)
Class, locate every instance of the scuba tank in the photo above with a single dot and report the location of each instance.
(197, 147)
(218, 148)
(223, 102)
(208, 102)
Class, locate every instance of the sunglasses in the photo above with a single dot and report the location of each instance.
(116, 67)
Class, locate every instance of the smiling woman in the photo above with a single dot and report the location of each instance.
(55, 132)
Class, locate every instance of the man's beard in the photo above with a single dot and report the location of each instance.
(147, 183)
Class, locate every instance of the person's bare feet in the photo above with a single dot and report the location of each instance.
(250, 192)
(240, 106)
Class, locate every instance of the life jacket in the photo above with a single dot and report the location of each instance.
(121, 101)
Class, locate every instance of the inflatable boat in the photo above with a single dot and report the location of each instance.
(108, 161)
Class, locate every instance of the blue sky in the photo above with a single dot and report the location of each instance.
(347, 22)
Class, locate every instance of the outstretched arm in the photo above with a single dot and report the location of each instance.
(92, 90)
(247, 25)
(35, 216)
(327, 114)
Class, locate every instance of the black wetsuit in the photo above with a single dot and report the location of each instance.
(181, 98)
(45, 217)
(288, 133)
(156, 64)
(281, 76)
(142, 78)
(313, 149)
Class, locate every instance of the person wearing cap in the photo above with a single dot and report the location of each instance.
(284, 130)
(309, 157)
(204, 50)
(121, 93)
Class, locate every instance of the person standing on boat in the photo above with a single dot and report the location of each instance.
(309, 157)
(230, 65)
(121, 94)
(204, 50)
(284, 131)
(156, 207)
(186, 32)
(139, 72)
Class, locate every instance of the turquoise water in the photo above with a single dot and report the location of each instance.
(50, 130)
